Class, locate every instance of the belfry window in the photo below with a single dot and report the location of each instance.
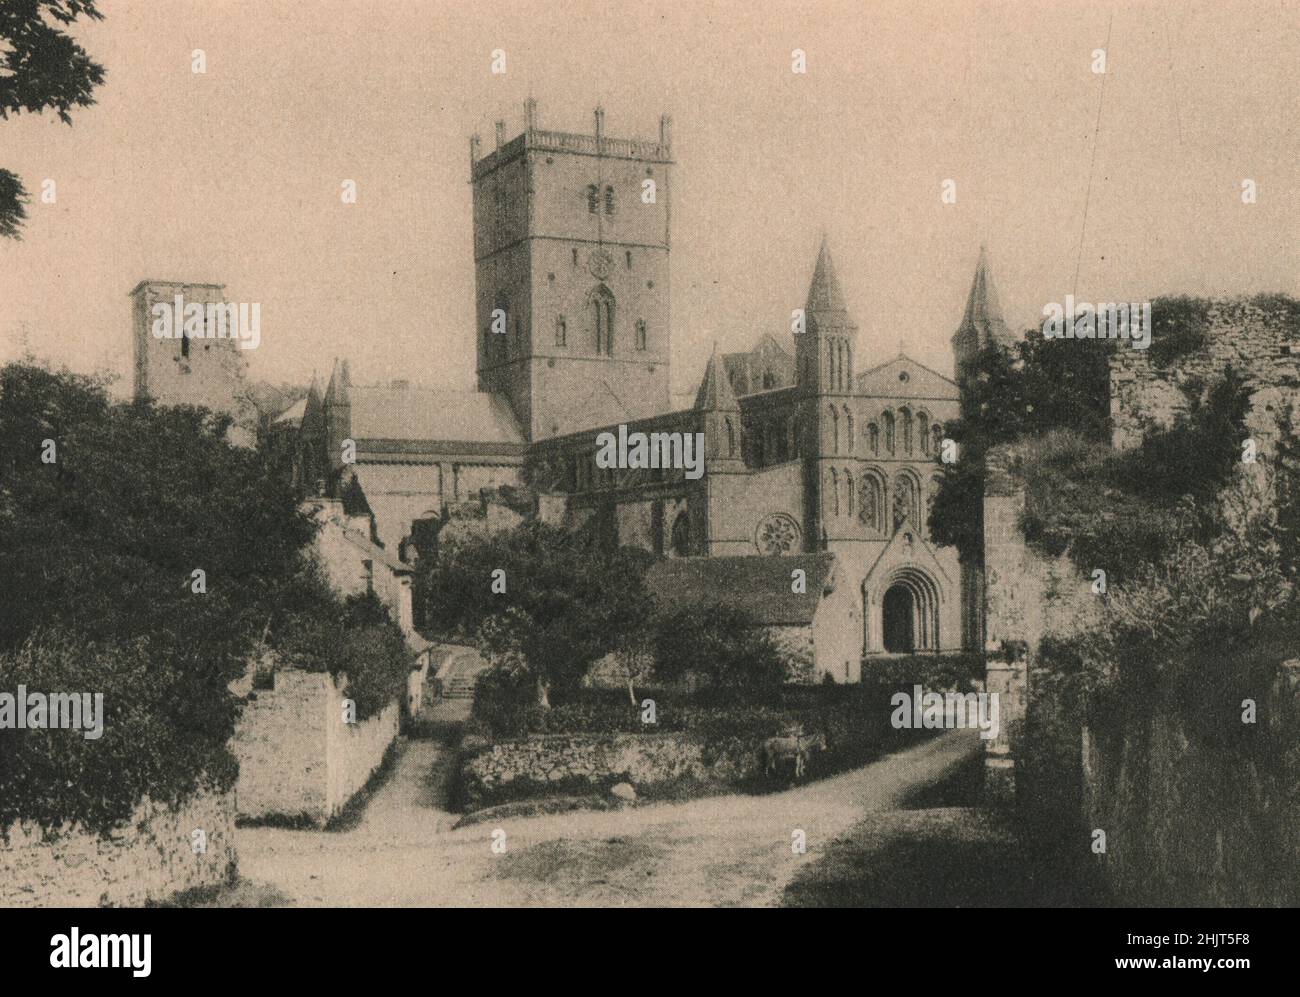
(561, 331)
(640, 334)
(601, 305)
(609, 200)
(593, 199)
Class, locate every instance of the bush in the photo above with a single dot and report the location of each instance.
(157, 741)
(721, 644)
(1178, 327)
(1124, 510)
(352, 636)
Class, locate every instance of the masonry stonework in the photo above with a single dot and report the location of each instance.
(149, 857)
(297, 757)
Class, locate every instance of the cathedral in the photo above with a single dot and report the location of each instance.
(804, 454)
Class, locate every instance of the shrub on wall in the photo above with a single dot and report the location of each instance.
(1122, 510)
(107, 513)
(353, 636)
(147, 743)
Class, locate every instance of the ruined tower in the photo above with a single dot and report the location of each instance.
(182, 369)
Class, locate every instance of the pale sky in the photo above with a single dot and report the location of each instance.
(233, 176)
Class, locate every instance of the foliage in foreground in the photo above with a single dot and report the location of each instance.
(100, 544)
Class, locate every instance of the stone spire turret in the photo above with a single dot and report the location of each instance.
(715, 394)
(981, 324)
(824, 293)
(824, 351)
(719, 419)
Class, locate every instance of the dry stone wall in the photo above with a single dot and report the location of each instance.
(149, 857)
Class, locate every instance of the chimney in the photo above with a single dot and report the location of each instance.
(501, 134)
(666, 131)
(530, 114)
(600, 122)
(475, 145)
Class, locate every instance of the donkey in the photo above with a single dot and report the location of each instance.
(796, 745)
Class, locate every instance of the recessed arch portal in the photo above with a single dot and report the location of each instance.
(901, 614)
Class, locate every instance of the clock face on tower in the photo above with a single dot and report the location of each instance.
(600, 263)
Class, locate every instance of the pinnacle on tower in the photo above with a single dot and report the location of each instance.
(824, 292)
(982, 322)
(715, 394)
(340, 381)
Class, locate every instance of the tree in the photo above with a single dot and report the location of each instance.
(41, 68)
(1044, 384)
(720, 643)
(540, 601)
(107, 511)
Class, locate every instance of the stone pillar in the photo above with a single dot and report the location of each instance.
(1008, 618)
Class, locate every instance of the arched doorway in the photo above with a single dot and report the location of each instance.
(900, 615)
(899, 618)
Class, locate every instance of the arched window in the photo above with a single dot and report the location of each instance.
(628, 257)
(888, 419)
(848, 492)
(834, 507)
(601, 306)
(561, 331)
(835, 430)
(593, 200)
(769, 380)
(871, 503)
(907, 499)
(873, 437)
(640, 334)
(923, 432)
(185, 343)
(937, 433)
(731, 438)
(609, 200)
(906, 415)
(848, 430)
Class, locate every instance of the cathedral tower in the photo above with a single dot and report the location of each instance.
(571, 240)
(824, 375)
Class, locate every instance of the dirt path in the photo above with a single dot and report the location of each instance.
(720, 851)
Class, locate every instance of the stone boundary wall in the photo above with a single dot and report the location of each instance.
(1258, 342)
(543, 763)
(149, 857)
(1027, 597)
(297, 758)
(1188, 825)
